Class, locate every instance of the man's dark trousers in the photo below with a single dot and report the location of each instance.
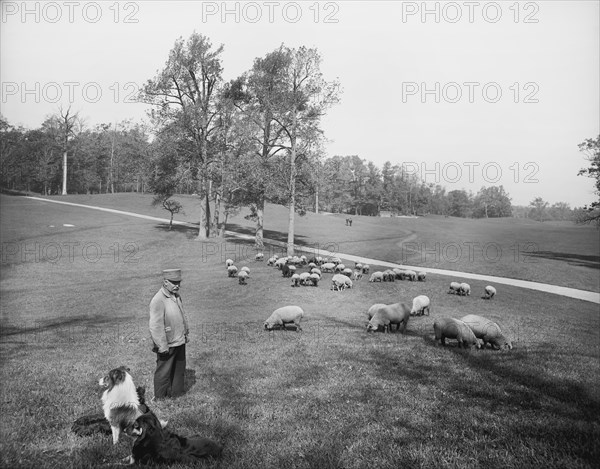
(170, 373)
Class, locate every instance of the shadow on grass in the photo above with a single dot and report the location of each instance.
(42, 327)
(189, 232)
(593, 262)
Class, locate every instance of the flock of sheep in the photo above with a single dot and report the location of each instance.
(469, 331)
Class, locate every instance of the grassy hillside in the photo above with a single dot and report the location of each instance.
(331, 396)
(559, 254)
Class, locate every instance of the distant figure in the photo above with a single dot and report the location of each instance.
(350, 221)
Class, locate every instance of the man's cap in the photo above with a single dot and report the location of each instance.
(172, 275)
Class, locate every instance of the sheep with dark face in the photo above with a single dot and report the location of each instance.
(314, 278)
(381, 315)
(228, 263)
(465, 289)
(315, 271)
(398, 273)
(288, 270)
(259, 256)
(304, 276)
(232, 271)
(279, 263)
(245, 269)
(285, 315)
(358, 266)
(420, 304)
(388, 275)
(454, 288)
(450, 328)
(488, 331)
(295, 280)
(347, 272)
(339, 268)
(410, 275)
(421, 276)
(365, 269)
(242, 277)
(490, 292)
(271, 260)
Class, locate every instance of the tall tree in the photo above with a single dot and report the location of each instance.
(304, 100)
(538, 209)
(591, 149)
(459, 203)
(492, 202)
(184, 94)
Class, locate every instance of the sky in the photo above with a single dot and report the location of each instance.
(467, 94)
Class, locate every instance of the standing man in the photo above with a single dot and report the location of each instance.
(169, 331)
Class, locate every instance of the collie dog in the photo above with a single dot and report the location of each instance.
(120, 401)
(153, 444)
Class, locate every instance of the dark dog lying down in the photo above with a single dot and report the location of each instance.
(97, 423)
(154, 444)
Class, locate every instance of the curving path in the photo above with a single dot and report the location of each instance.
(584, 295)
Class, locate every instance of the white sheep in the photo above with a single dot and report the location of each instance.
(232, 271)
(358, 266)
(420, 304)
(465, 289)
(340, 282)
(490, 292)
(421, 276)
(242, 277)
(454, 288)
(295, 280)
(389, 275)
(347, 272)
(411, 275)
(259, 256)
(312, 265)
(339, 268)
(285, 315)
(328, 267)
(335, 260)
(357, 275)
(315, 270)
(398, 273)
(245, 269)
(376, 277)
(365, 269)
(304, 276)
(314, 278)
(228, 262)
(279, 263)
(450, 328)
(271, 261)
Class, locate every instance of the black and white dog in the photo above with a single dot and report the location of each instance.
(120, 401)
(153, 444)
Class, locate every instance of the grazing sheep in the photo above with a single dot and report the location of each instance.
(312, 265)
(228, 263)
(347, 272)
(242, 277)
(319, 260)
(387, 275)
(245, 269)
(421, 276)
(465, 289)
(365, 269)
(314, 278)
(271, 260)
(357, 275)
(279, 263)
(411, 275)
(295, 280)
(358, 266)
(259, 256)
(450, 328)
(328, 267)
(340, 282)
(385, 315)
(488, 331)
(315, 271)
(232, 271)
(454, 288)
(490, 292)
(335, 260)
(398, 273)
(304, 276)
(339, 268)
(303, 260)
(285, 315)
(420, 304)
(288, 270)
(376, 277)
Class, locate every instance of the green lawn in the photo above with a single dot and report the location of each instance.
(557, 253)
(330, 396)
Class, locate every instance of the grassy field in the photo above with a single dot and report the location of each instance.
(557, 253)
(74, 304)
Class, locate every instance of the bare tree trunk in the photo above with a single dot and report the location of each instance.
(216, 224)
(290, 239)
(64, 184)
(317, 200)
(260, 214)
